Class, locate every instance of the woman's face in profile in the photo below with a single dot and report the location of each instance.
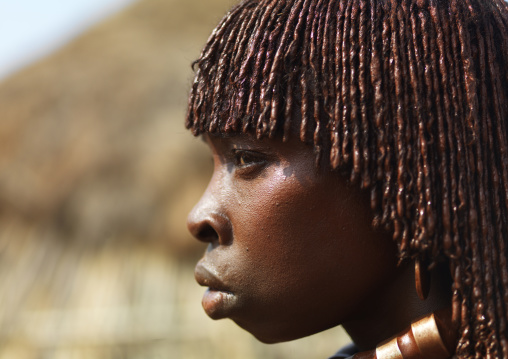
(291, 250)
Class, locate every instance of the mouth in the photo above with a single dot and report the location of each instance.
(218, 301)
(207, 277)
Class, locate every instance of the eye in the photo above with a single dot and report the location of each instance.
(249, 163)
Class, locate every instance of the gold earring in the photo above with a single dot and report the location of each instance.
(422, 279)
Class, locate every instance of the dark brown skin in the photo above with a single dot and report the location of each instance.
(292, 250)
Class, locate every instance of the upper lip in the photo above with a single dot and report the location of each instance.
(207, 277)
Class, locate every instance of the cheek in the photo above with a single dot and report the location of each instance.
(272, 211)
(287, 234)
(293, 233)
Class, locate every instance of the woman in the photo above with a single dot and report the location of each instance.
(361, 173)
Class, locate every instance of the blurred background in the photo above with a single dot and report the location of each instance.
(97, 174)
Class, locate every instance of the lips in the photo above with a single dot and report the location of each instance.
(207, 277)
(218, 301)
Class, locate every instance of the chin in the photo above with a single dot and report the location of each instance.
(268, 333)
(271, 339)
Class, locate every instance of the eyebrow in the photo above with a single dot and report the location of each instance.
(223, 134)
(217, 135)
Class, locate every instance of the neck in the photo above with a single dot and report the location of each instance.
(393, 307)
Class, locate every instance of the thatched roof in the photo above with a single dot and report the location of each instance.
(92, 142)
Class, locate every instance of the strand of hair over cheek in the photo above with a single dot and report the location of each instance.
(410, 97)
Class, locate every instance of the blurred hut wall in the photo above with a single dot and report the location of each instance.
(97, 174)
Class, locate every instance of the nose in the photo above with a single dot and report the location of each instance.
(207, 221)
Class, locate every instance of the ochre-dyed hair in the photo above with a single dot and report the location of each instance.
(411, 96)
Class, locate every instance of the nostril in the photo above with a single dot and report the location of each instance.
(207, 234)
(210, 227)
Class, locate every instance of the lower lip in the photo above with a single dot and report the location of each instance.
(218, 304)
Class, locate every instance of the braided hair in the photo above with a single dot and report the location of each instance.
(410, 97)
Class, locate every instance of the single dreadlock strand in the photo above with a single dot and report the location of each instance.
(345, 85)
(366, 147)
(294, 73)
(404, 176)
(410, 133)
(431, 157)
(387, 165)
(326, 54)
(353, 95)
(416, 75)
(304, 78)
(421, 139)
(423, 165)
(459, 113)
(318, 90)
(313, 73)
(401, 149)
(191, 114)
(327, 68)
(470, 81)
(391, 158)
(336, 139)
(379, 110)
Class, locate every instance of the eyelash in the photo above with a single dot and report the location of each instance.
(248, 163)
